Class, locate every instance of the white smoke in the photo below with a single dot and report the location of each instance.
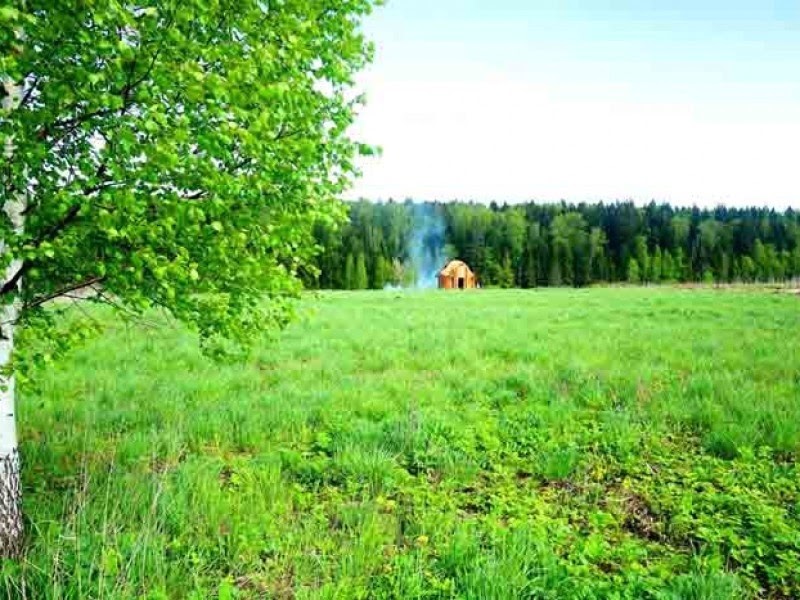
(426, 250)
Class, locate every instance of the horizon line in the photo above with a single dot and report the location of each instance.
(507, 203)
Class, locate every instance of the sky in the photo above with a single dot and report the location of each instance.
(684, 101)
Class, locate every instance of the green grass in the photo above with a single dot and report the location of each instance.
(604, 443)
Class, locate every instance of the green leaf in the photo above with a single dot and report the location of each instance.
(8, 13)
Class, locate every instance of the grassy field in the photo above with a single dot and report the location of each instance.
(604, 443)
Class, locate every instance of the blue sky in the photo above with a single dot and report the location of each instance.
(688, 102)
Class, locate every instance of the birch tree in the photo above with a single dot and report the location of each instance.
(170, 153)
(10, 492)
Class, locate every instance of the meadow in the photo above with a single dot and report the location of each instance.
(595, 443)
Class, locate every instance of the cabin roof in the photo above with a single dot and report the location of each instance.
(453, 266)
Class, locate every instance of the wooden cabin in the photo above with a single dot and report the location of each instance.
(456, 275)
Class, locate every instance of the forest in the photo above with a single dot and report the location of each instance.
(531, 245)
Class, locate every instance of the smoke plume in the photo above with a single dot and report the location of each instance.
(426, 250)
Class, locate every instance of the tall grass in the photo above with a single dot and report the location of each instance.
(604, 443)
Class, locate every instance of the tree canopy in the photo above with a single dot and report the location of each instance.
(171, 153)
(176, 152)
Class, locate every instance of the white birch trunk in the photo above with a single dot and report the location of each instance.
(10, 489)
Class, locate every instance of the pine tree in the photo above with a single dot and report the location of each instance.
(642, 258)
(667, 267)
(349, 273)
(598, 266)
(360, 281)
(506, 274)
(760, 261)
(634, 275)
(736, 270)
(725, 268)
(748, 269)
(380, 273)
(555, 279)
(681, 268)
(655, 266)
(796, 263)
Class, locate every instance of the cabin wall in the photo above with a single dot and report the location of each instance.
(445, 282)
(450, 282)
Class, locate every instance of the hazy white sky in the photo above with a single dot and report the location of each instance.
(514, 100)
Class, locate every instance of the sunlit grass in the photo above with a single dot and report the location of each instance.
(625, 443)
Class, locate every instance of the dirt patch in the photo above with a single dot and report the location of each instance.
(561, 485)
(252, 583)
(472, 501)
(226, 477)
(640, 519)
(162, 465)
(522, 476)
(283, 587)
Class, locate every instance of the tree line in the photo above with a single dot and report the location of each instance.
(531, 245)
